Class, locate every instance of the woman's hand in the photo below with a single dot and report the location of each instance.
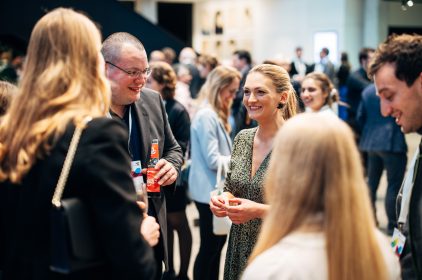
(244, 210)
(219, 203)
(150, 230)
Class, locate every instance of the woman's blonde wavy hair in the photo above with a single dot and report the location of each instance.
(218, 79)
(63, 82)
(315, 169)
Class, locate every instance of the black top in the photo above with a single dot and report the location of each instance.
(100, 176)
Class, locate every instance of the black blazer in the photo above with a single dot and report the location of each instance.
(153, 124)
(100, 175)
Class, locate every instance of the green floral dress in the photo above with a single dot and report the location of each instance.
(239, 182)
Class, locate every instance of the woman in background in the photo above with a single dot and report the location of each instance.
(210, 146)
(269, 99)
(163, 80)
(320, 224)
(206, 63)
(318, 94)
(63, 85)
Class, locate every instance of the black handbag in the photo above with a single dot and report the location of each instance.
(73, 246)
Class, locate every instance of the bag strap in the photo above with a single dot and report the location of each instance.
(58, 192)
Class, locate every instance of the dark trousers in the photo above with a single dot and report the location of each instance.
(395, 165)
(207, 263)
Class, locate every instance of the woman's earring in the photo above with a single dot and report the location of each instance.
(280, 105)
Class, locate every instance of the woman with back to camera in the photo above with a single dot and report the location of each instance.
(270, 100)
(163, 79)
(210, 146)
(320, 224)
(62, 87)
(318, 94)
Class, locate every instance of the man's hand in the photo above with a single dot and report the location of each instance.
(150, 230)
(166, 174)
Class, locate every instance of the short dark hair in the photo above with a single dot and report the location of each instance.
(405, 52)
(326, 51)
(364, 53)
(244, 54)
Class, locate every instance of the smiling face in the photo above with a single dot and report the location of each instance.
(312, 95)
(228, 93)
(260, 97)
(398, 100)
(126, 89)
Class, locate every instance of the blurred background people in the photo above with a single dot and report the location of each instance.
(11, 71)
(7, 92)
(298, 67)
(327, 229)
(206, 63)
(343, 73)
(188, 57)
(356, 83)
(163, 80)
(269, 99)
(157, 55)
(63, 85)
(169, 54)
(182, 92)
(383, 141)
(325, 65)
(318, 94)
(210, 146)
(242, 61)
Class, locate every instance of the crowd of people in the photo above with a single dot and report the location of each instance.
(302, 146)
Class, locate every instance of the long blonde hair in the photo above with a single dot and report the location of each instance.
(217, 79)
(63, 82)
(316, 169)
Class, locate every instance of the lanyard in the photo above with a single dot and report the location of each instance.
(406, 189)
(130, 128)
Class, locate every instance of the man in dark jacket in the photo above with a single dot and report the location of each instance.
(397, 72)
(144, 114)
(356, 83)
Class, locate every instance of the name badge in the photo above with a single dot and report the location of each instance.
(397, 242)
(136, 173)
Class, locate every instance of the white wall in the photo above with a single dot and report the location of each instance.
(278, 26)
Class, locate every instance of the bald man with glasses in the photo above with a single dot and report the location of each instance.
(126, 67)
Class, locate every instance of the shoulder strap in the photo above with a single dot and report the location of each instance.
(58, 192)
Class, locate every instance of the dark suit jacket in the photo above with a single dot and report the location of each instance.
(378, 133)
(411, 257)
(153, 124)
(100, 176)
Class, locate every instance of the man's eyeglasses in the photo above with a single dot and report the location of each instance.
(134, 74)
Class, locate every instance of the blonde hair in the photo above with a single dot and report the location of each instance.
(63, 82)
(281, 81)
(330, 183)
(218, 79)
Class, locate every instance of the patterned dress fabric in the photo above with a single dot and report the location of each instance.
(239, 182)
